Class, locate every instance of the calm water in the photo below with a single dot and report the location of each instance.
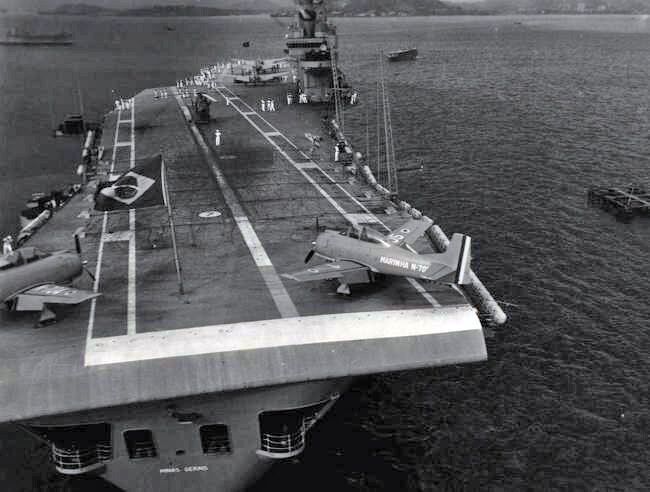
(514, 119)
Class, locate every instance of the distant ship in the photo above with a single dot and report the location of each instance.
(402, 55)
(20, 37)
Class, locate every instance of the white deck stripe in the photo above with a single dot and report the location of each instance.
(417, 286)
(255, 247)
(280, 296)
(300, 168)
(131, 293)
(285, 332)
(100, 248)
(131, 275)
(117, 236)
(98, 269)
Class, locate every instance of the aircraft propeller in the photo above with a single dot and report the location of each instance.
(77, 243)
(311, 253)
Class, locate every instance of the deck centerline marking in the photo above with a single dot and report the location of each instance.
(427, 296)
(274, 285)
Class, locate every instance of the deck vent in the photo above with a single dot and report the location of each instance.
(139, 444)
(215, 439)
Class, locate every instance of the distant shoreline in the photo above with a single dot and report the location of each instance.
(201, 11)
(154, 11)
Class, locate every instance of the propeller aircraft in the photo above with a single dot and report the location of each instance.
(360, 255)
(30, 280)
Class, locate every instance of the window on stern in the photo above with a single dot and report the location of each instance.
(215, 439)
(140, 444)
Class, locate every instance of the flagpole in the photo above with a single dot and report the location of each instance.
(177, 260)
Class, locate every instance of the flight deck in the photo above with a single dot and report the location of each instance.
(245, 211)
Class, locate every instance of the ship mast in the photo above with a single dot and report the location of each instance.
(389, 146)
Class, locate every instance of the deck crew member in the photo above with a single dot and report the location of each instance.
(289, 98)
(6, 245)
(315, 145)
(217, 137)
(338, 148)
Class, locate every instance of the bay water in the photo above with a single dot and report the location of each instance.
(513, 118)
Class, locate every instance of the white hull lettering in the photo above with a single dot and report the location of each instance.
(195, 468)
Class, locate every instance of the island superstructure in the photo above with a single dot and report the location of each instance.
(156, 387)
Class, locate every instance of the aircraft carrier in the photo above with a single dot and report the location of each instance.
(204, 384)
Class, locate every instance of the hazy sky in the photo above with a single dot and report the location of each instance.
(49, 4)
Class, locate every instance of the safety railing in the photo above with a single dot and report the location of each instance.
(280, 446)
(74, 461)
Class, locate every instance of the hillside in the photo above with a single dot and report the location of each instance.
(158, 10)
(563, 6)
(392, 7)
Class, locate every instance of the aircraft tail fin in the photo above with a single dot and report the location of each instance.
(457, 259)
(460, 248)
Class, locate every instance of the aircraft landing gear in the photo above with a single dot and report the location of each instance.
(343, 289)
(47, 317)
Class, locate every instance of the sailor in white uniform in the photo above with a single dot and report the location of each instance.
(6, 245)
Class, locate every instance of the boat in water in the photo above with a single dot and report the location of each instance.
(197, 361)
(402, 55)
(21, 37)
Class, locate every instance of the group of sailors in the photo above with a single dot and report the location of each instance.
(207, 76)
(123, 104)
(160, 94)
(302, 98)
(268, 105)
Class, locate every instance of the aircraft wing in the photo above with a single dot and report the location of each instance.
(273, 75)
(334, 269)
(409, 232)
(33, 299)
